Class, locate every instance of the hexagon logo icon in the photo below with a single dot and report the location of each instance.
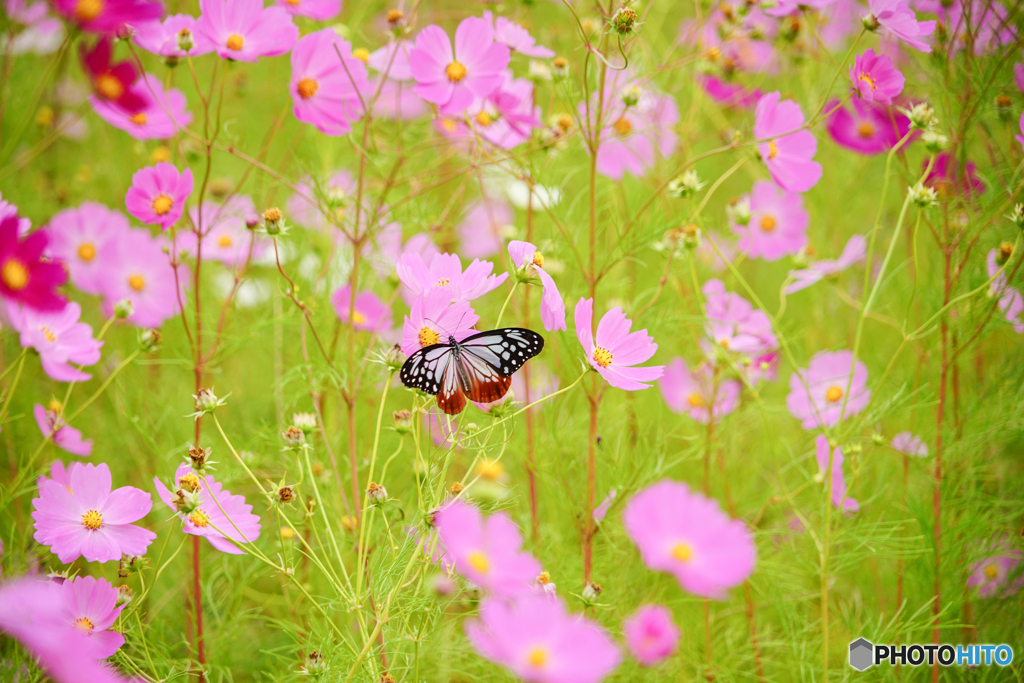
(861, 654)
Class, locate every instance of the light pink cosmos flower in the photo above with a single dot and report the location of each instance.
(66, 437)
(991, 575)
(158, 194)
(875, 78)
(651, 635)
(778, 223)
(59, 473)
(137, 269)
(89, 520)
(818, 394)
(697, 393)
(614, 351)
(481, 232)
(506, 117)
(450, 79)
(41, 34)
(1011, 303)
(539, 641)
(517, 38)
(226, 235)
(217, 516)
(243, 30)
(734, 324)
(787, 151)
(79, 235)
(387, 249)
(552, 308)
(687, 535)
(910, 444)
(107, 17)
(445, 271)
(434, 318)
(486, 551)
(392, 59)
(90, 605)
(898, 18)
(853, 252)
(839, 21)
(161, 37)
(164, 113)
(839, 497)
(325, 91)
(59, 338)
(370, 313)
(318, 10)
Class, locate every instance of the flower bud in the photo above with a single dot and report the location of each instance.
(129, 564)
(442, 586)
(396, 21)
(293, 437)
(1004, 253)
(123, 309)
(273, 221)
(870, 22)
(395, 357)
(124, 595)
(185, 40)
(403, 421)
(934, 141)
(922, 116)
(57, 576)
(1004, 106)
(376, 493)
(878, 438)
(314, 663)
(685, 185)
(304, 421)
(1017, 216)
(387, 678)
(538, 71)
(631, 95)
(624, 20)
(560, 67)
(198, 456)
(206, 401)
(456, 488)
(592, 591)
(149, 340)
(923, 196)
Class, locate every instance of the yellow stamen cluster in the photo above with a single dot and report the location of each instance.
(137, 282)
(623, 127)
(87, 10)
(682, 552)
(162, 204)
(602, 356)
(235, 42)
(199, 518)
(455, 72)
(14, 274)
(479, 562)
(86, 251)
(428, 337)
(92, 519)
(833, 394)
(768, 223)
(307, 88)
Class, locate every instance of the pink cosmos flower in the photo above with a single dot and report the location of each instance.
(93, 522)
(25, 277)
(614, 351)
(137, 269)
(370, 313)
(41, 33)
(788, 152)
(161, 37)
(909, 444)
(707, 255)
(481, 232)
(868, 129)
(517, 38)
(486, 551)
(210, 511)
(778, 223)
(158, 194)
(59, 339)
(839, 497)
(984, 25)
(79, 235)
(90, 605)
(697, 393)
(226, 235)
(506, 117)
(387, 249)
(898, 18)
(853, 252)
(445, 270)
(839, 21)
(734, 324)
(318, 10)
(729, 94)
(688, 535)
(734, 43)
(651, 635)
(393, 60)
(946, 177)
(818, 395)
(1020, 138)
(111, 82)
(326, 92)
(450, 79)
(65, 436)
(875, 78)
(552, 309)
(434, 318)
(8, 210)
(397, 101)
(1011, 303)
(991, 575)
(59, 473)
(243, 30)
(1018, 78)
(163, 114)
(107, 17)
(537, 639)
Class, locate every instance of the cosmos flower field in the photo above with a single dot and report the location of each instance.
(560, 342)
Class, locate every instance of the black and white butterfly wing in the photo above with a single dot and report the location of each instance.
(434, 370)
(505, 350)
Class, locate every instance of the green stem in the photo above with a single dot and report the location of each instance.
(501, 313)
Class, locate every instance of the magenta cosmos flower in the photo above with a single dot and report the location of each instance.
(787, 151)
(137, 269)
(243, 30)
(451, 78)
(318, 10)
(948, 180)
(111, 82)
(206, 509)
(778, 223)
(482, 231)
(158, 194)
(163, 114)
(818, 395)
(687, 535)
(88, 519)
(1020, 138)
(839, 497)
(853, 252)
(325, 91)
(445, 271)
(66, 437)
(434, 318)
(79, 235)
(539, 641)
(370, 314)
(486, 550)
(731, 95)
(614, 351)
(875, 78)
(161, 37)
(517, 38)
(1011, 303)
(990, 574)
(25, 277)
(107, 16)
(909, 444)
(898, 18)
(701, 394)
(868, 129)
(90, 605)
(552, 309)
(651, 635)
(734, 324)
(59, 339)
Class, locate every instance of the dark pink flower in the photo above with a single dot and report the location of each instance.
(614, 351)
(729, 94)
(700, 394)
(552, 308)
(875, 78)
(868, 129)
(853, 252)
(947, 179)
(59, 339)
(158, 194)
(25, 277)
(778, 223)
(162, 115)
(839, 497)
(897, 17)
(79, 235)
(111, 82)
(244, 30)
(370, 314)
(65, 436)
(325, 91)
(319, 10)
(90, 605)
(107, 17)
(818, 394)
(161, 37)
(787, 151)
(651, 635)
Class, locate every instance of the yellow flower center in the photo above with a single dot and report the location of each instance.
(479, 562)
(224, 241)
(307, 88)
(866, 77)
(865, 129)
(695, 400)
(199, 518)
(455, 72)
(86, 251)
(449, 125)
(87, 10)
(623, 127)
(362, 54)
(565, 122)
(428, 337)
(991, 571)
(602, 356)
(772, 149)
(484, 119)
(293, 3)
(833, 394)
(395, 15)
(538, 259)
(161, 153)
(235, 42)
(108, 86)
(92, 519)
(538, 656)
(48, 333)
(85, 624)
(14, 275)
(682, 552)
(491, 470)
(137, 282)
(358, 318)
(162, 204)
(55, 406)
(443, 282)
(138, 119)
(190, 482)
(768, 223)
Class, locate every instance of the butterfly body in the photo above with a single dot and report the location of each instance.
(479, 368)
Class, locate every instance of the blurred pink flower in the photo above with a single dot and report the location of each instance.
(540, 642)
(729, 94)
(651, 635)
(687, 535)
(875, 78)
(909, 444)
(162, 116)
(733, 42)
(25, 277)
(450, 79)
(137, 269)
(213, 512)
(481, 231)
(517, 38)
(59, 339)
(697, 393)
(245, 30)
(158, 194)
(1018, 78)
(897, 17)
(734, 324)
(370, 313)
(601, 511)
(90, 605)
(986, 26)
(304, 207)
(853, 252)
(552, 308)
(59, 473)
(825, 391)
(506, 117)
(946, 178)
(397, 101)
(1020, 138)
(95, 522)
(788, 151)
(868, 129)
(161, 37)
(991, 575)
(614, 351)
(445, 271)
(78, 236)
(64, 436)
(227, 237)
(839, 20)
(706, 253)
(42, 33)
(318, 10)
(386, 249)
(486, 550)
(434, 318)
(8, 210)
(1011, 303)
(111, 82)
(325, 91)
(392, 59)
(764, 368)
(839, 497)
(777, 226)
(107, 17)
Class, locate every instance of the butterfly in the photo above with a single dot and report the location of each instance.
(478, 368)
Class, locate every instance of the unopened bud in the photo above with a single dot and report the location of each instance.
(922, 116)
(129, 564)
(198, 456)
(185, 40)
(592, 591)
(685, 185)
(560, 67)
(123, 309)
(273, 221)
(376, 493)
(395, 357)
(206, 400)
(624, 20)
(934, 141)
(1004, 253)
(538, 71)
(124, 595)
(149, 340)
(739, 211)
(1017, 216)
(870, 22)
(304, 421)
(878, 438)
(396, 20)
(293, 437)
(923, 196)
(631, 95)
(314, 663)
(1004, 106)
(403, 421)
